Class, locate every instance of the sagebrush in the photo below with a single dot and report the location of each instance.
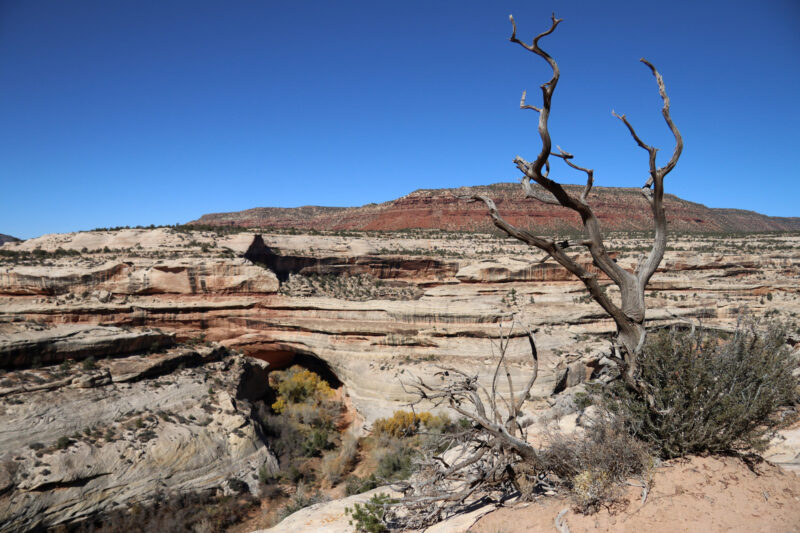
(712, 392)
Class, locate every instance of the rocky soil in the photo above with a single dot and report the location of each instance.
(710, 494)
(370, 308)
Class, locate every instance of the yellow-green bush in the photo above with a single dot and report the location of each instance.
(298, 385)
(405, 423)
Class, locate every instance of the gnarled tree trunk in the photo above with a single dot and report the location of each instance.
(629, 313)
(492, 452)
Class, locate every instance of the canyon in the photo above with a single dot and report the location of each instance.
(161, 339)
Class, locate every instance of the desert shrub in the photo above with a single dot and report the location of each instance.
(316, 442)
(272, 491)
(335, 465)
(400, 424)
(357, 485)
(593, 468)
(89, 363)
(298, 385)
(301, 424)
(405, 423)
(238, 486)
(439, 424)
(301, 499)
(593, 488)
(324, 415)
(396, 461)
(284, 435)
(264, 475)
(369, 518)
(710, 395)
(63, 443)
(187, 512)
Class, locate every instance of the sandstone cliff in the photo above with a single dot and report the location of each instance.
(78, 440)
(371, 310)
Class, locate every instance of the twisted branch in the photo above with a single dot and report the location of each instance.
(629, 315)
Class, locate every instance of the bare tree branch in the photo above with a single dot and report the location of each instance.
(629, 315)
(566, 156)
(493, 452)
(522, 104)
(491, 455)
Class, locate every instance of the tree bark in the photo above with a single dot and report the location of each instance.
(629, 313)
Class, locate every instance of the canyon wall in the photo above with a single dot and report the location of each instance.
(139, 306)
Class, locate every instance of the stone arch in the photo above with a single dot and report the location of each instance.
(280, 356)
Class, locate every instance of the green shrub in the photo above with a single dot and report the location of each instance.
(369, 518)
(336, 464)
(198, 511)
(357, 485)
(63, 443)
(396, 463)
(710, 395)
(301, 500)
(315, 443)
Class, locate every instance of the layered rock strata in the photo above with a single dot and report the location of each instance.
(617, 208)
(24, 345)
(113, 293)
(465, 289)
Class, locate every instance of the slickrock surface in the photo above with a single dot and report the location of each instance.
(76, 441)
(129, 278)
(327, 517)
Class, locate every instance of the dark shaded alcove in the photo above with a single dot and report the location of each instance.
(281, 357)
(381, 267)
(319, 367)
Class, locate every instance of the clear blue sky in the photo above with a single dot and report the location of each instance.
(139, 112)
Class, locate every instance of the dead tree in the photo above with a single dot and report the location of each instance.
(493, 453)
(629, 313)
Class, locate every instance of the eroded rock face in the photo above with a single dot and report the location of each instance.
(466, 288)
(508, 269)
(85, 441)
(137, 278)
(22, 344)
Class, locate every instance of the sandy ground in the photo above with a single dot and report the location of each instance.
(702, 494)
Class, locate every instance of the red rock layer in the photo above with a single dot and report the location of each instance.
(623, 209)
